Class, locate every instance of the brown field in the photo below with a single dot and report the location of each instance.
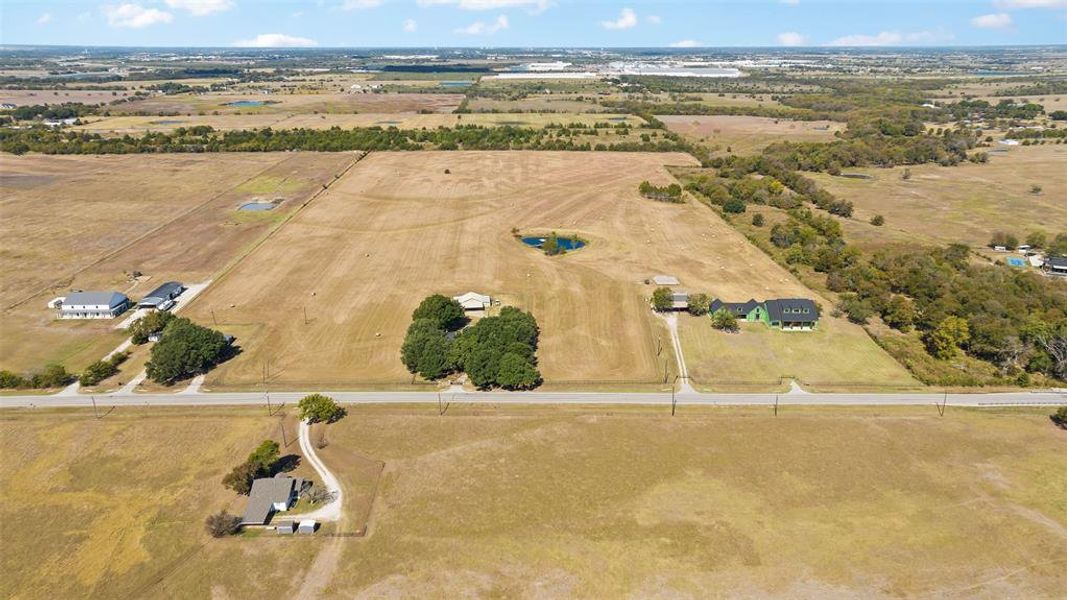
(397, 228)
(189, 104)
(30, 97)
(746, 135)
(136, 124)
(554, 502)
(85, 222)
(966, 203)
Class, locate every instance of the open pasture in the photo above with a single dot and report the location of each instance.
(334, 102)
(965, 203)
(745, 134)
(86, 222)
(33, 97)
(401, 226)
(617, 502)
(139, 124)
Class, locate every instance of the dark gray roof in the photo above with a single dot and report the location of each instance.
(265, 492)
(739, 309)
(109, 299)
(162, 293)
(792, 310)
(1057, 262)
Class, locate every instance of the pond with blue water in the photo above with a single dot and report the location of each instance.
(257, 206)
(564, 243)
(247, 103)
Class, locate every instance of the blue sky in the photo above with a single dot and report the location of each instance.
(333, 23)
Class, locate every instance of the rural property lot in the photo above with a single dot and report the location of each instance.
(966, 203)
(399, 227)
(287, 103)
(86, 221)
(550, 502)
(747, 135)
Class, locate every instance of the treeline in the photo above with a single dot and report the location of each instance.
(949, 148)
(774, 171)
(205, 139)
(696, 108)
(68, 110)
(667, 193)
(52, 376)
(982, 109)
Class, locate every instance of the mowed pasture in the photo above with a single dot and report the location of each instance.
(139, 124)
(87, 222)
(110, 508)
(401, 226)
(615, 502)
(965, 203)
(222, 103)
(746, 134)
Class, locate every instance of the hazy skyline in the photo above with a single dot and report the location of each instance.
(398, 23)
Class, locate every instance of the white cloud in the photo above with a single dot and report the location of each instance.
(134, 16)
(44, 19)
(627, 19)
(275, 40)
(992, 21)
(654, 19)
(483, 28)
(199, 8)
(687, 44)
(534, 5)
(791, 38)
(1030, 3)
(360, 4)
(894, 38)
(410, 26)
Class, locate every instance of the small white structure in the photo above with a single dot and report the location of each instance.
(55, 303)
(473, 301)
(93, 305)
(680, 300)
(665, 280)
(1036, 261)
(306, 527)
(286, 528)
(1008, 142)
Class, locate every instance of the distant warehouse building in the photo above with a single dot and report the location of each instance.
(163, 296)
(92, 305)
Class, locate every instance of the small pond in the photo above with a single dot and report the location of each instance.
(246, 103)
(456, 84)
(257, 206)
(567, 243)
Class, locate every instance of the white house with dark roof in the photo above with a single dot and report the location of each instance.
(93, 305)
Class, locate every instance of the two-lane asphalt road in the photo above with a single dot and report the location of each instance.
(1043, 398)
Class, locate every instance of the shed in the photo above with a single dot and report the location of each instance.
(307, 526)
(665, 280)
(473, 301)
(679, 300)
(160, 296)
(286, 528)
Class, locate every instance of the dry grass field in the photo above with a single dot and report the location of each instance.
(85, 222)
(31, 97)
(106, 509)
(336, 102)
(139, 124)
(966, 203)
(745, 134)
(582, 502)
(398, 227)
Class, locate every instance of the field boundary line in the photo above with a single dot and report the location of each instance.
(226, 270)
(139, 238)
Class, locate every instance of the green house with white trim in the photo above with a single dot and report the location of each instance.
(789, 314)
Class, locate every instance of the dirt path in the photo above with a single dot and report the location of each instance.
(672, 325)
(332, 511)
(321, 571)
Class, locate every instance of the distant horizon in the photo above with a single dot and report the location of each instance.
(672, 49)
(682, 24)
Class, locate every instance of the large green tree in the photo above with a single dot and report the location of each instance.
(319, 408)
(443, 311)
(186, 349)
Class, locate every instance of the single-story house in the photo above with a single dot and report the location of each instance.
(790, 314)
(159, 297)
(665, 280)
(93, 305)
(1056, 265)
(270, 495)
(473, 301)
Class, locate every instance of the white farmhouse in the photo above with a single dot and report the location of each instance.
(473, 301)
(93, 305)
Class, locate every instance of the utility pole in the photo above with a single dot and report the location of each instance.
(213, 319)
(305, 314)
(95, 413)
(944, 404)
(674, 403)
(776, 405)
(285, 442)
(270, 413)
(440, 406)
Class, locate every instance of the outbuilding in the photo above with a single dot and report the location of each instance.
(307, 526)
(473, 301)
(665, 280)
(160, 297)
(93, 305)
(1056, 265)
